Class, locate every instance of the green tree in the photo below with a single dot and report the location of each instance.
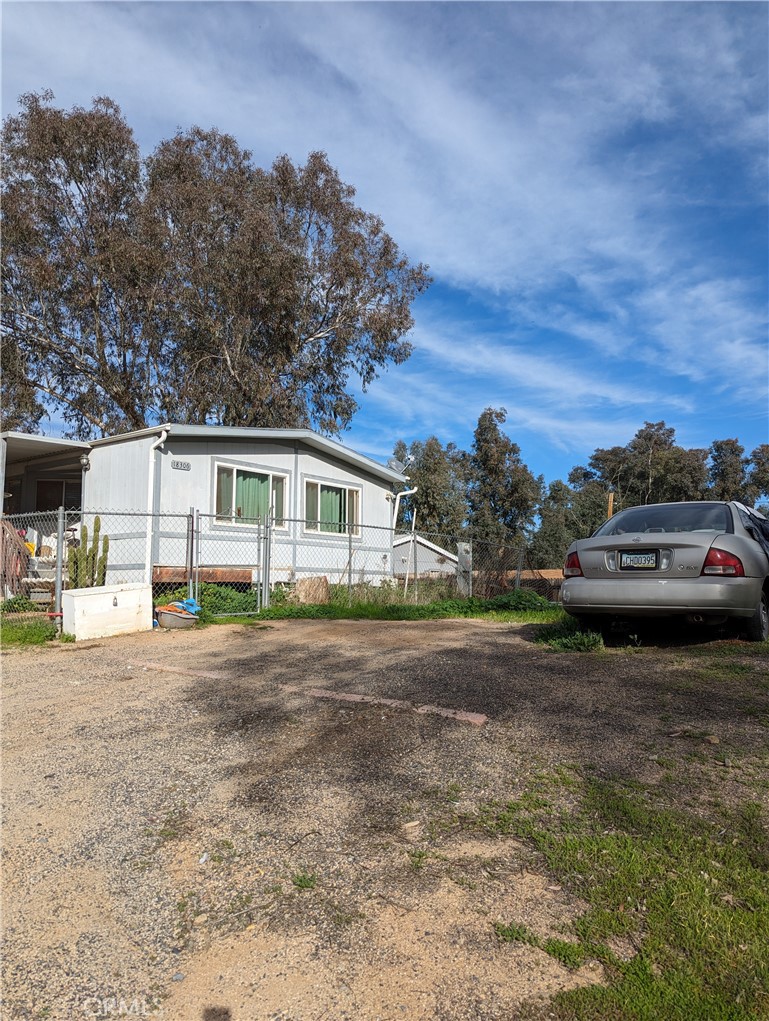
(728, 470)
(556, 528)
(502, 493)
(19, 406)
(759, 474)
(567, 512)
(652, 468)
(75, 273)
(193, 285)
(438, 472)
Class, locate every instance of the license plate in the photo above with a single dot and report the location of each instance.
(637, 561)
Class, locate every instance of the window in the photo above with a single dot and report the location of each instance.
(244, 495)
(331, 509)
(55, 493)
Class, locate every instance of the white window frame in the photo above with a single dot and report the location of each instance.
(273, 476)
(353, 504)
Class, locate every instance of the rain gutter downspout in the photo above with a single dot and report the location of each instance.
(151, 503)
(406, 492)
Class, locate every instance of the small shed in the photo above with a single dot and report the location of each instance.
(412, 553)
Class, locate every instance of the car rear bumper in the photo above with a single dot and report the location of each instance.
(658, 597)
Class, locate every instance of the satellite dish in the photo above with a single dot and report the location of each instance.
(395, 465)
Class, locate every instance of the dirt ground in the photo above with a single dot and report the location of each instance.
(248, 824)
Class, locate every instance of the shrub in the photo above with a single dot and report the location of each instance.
(18, 604)
(24, 631)
(518, 599)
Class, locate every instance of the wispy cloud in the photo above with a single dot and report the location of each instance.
(588, 183)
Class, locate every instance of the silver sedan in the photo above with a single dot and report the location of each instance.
(706, 561)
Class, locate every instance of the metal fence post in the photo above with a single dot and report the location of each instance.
(260, 552)
(519, 568)
(196, 547)
(190, 553)
(59, 576)
(349, 563)
(266, 556)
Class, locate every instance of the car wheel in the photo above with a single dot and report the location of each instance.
(757, 629)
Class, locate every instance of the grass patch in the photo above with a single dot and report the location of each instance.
(520, 605)
(223, 603)
(571, 955)
(27, 630)
(728, 649)
(514, 933)
(565, 635)
(692, 895)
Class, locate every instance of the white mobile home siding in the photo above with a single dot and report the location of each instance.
(184, 477)
(119, 476)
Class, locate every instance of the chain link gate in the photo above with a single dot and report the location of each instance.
(234, 555)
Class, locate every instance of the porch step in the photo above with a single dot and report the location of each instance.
(39, 590)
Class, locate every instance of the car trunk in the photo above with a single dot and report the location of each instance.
(657, 554)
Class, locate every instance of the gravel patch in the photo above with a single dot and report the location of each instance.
(190, 832)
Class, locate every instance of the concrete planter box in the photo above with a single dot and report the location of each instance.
(108, 610)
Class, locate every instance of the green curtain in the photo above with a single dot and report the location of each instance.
(252, 494)
(224, 492)
(332, 509)
(277, 500)
(311, 505)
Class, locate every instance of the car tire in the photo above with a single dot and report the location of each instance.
(757, 629)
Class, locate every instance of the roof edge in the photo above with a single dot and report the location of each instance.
(243, 432)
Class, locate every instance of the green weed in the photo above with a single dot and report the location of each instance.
(580, 641)
(417, 858)
(564, 635)
(514, 933)
(18, 604)
(304, 880)
(175, 823)
(571, 955)
(27, 631)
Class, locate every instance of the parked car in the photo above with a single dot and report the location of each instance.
(705, 561)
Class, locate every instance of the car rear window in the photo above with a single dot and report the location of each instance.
(674, 517)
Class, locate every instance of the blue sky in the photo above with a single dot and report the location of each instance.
(587, 181)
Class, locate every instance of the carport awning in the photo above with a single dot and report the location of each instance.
(22, 447)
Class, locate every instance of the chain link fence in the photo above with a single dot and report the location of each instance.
(189, 555)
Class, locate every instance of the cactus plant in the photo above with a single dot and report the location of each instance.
(88, 569)
(101, 567)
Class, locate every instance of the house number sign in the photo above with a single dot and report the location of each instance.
(183, 466)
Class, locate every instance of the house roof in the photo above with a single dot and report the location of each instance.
(224, 432)
(401, 540)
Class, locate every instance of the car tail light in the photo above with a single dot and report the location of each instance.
(572, 567)
(718, 561)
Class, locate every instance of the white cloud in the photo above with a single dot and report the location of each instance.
(570, 166)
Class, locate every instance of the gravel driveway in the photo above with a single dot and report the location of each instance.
(247, 823)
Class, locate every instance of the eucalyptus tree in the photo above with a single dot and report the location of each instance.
(191, 285)
(439, 475)
(651, 468)
(502, 493)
